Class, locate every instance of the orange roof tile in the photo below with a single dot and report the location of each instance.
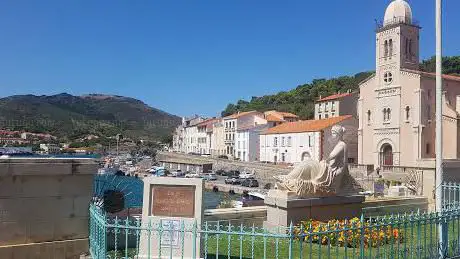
(271, 117)
(238, 115)
(288, 114)
(306, 126)
(444, 76)
(334, 96)
(206, 122)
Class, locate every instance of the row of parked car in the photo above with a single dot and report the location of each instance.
(208, 177)
(236, 178)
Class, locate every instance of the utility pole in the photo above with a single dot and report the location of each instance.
(439, 172)
(119, 137)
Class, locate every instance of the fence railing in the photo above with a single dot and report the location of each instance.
(413, 235)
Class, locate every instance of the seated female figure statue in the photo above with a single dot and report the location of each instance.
(315, 179)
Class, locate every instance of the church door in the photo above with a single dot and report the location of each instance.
(386, 155)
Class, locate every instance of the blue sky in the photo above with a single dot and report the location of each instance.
(188, 57)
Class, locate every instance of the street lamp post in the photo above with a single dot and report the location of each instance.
(439, 156)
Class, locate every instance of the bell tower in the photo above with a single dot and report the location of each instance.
(397, 42)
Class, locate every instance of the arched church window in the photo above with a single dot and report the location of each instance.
(407, 113)
(385, 49)
(388, 77)
(390, 46)
(410, 47)
(406, 47)
(386, 114)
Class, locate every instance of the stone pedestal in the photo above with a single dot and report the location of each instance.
(282, 208)
(173, 211)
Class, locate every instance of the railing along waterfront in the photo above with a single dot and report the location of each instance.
(413, 235)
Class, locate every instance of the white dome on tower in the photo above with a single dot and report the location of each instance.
(398, 11)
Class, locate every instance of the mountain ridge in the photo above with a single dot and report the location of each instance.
(68, 116)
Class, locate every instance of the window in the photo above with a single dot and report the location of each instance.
(320, 107)
(283, 157)
(410, 47)
(333, 106)
(428, 112)
(326, 116)
(407, 113)
(385, 49)
(386, 114)
(428, 148)
(309, 141)
(390, 43)
(406, 51)
(289, 141)
(388, 77)
(326, 107)
(239, 144)
(275, 141)
(368, 116)
(319, 116)
(282, 141)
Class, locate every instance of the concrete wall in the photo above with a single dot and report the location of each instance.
(43, 201)
(264, 172)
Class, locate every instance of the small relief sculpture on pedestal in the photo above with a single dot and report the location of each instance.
(324, 178)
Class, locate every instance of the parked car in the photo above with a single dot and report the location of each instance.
(232, 180)
(210, 177)
(220, 172)
(206, 155)
(246, 175)
(223, 157)
(192, 175)
(233, 173)
(178, 173)
(250, 183)
(194, 153)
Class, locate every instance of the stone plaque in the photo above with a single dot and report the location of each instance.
(173, 201)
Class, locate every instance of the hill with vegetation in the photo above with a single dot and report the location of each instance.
(72, 117)
(301, 99)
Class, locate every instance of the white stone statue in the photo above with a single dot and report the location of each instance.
(321, 178)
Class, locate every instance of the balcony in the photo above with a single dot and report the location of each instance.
(383, 25)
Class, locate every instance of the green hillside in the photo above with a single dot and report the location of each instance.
(70, 117)
(301, 99)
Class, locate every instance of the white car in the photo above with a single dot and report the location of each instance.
(245, 175)
(210, 177)
(192, 175)
(178, 173)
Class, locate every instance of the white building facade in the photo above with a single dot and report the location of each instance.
(339, 104)
(294, 142)
(240, 121)
(247, 143)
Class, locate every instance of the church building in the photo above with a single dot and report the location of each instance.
(396, 106)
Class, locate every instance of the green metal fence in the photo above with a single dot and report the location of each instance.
(412, 235)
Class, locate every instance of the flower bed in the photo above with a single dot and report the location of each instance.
(348, 233)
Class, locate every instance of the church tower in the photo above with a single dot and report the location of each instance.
(397, 43)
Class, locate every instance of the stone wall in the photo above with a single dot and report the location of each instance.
(43, 201)
(263, 172)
